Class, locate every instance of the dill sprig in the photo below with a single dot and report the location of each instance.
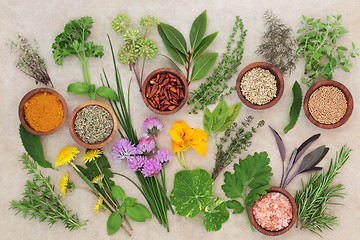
(240, 141)
(213, 90)
(40, 200)
(315, 197)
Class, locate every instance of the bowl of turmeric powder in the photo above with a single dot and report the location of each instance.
(42, 111)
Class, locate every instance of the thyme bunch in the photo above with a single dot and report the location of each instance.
(314, 199)
(240, 141)
(40, 200)
(29, 60)
(213, 90)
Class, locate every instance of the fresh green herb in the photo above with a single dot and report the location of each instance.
(278, 46)
(240, 141)
(315, 197)
(29, 60)
(317, 45)
(295, 107)
(176, 45)
(213, 90)
(136, 46)
(33, 147)
(41, 202)
(252, 173)
(193, 193)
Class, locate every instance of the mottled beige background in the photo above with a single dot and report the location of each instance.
(43, 20)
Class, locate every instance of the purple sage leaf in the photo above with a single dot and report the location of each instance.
(312, 159)
(305, 146)
(280, 144)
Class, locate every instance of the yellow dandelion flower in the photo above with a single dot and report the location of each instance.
(98, 205)
(98, 179)
(90, 155)
(64, 183)
(66, 155)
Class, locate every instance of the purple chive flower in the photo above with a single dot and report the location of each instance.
(151, 167)
(163, 156)
(136, 163)
(146, 146)
(151, 127)
(123, 150)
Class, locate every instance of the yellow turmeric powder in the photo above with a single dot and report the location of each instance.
(44, 112)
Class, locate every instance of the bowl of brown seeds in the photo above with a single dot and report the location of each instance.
(92, 124)
(260, 85)
(328, 104)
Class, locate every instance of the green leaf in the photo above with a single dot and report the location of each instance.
(177, 55)
(342, 48)
(207, 121)
(118, 192)
(333, 62)
(255, 194)
(92, 95)
(215, 214)
(175, 37)
(345, 69)
(205, 43)
(326, 69)
(138, 212)
(295, 107)
(107, 92)
(236, 205)
(129, 201)
(78, 88)
(33, 147)
(203, 65)
(197, 31)
(193, 190)
(122, 209)
(219, 116)
(113, 223)
(231, 115)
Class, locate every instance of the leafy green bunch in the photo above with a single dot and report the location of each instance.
(193, 60)
(136, 46)
(317, 45)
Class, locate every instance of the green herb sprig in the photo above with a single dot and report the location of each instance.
(213, 90)
(295, 107)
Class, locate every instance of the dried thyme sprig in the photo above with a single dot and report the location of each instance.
(41, 202)
(29, 60)
(316, 196)
(278, 46)
(213, 90)
(240, 141)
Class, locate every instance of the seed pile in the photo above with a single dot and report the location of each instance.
(327, 104)
(258, 86)
(93, 124)
(273, 211)
(165, 92)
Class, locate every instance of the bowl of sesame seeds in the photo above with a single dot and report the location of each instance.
(260, 85)
(328, 104)
(92, 124)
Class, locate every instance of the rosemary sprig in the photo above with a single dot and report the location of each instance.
(315, 197)
(238, 143)
(41, 202)
(213, 90)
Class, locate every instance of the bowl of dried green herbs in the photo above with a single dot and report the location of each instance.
(260, 85)
(92, 124)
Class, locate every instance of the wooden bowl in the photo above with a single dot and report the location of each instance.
(30, 95)
(153, 75)
(292, 222)
(350, 104)
(75, 136)
(279, 84)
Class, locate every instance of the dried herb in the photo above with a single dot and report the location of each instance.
(213, 90)
(315, 197)
(29, 60)
(278, 46)
(295, 107)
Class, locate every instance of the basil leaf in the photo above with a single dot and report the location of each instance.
(205, 43)
(231, 115)
(219, 115)
(207, 121)
(175, 37)
(113, 223)
(203, 65)
(107, 92)
(118, 192)
(78, 88)
(138, 212)
(197, 31)
(129, 201)
(295, 107)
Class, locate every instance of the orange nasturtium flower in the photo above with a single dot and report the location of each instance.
(183, 137)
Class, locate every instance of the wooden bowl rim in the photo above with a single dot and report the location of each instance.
(173, 72)
(349, 98)
(293, 220)
(29, 95)
(279, 79)
(72, 125)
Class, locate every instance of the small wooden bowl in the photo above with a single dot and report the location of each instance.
(293, 220)
(30, 95)
(279, 84)
(162, 71)
(75, 136)
(350, 104)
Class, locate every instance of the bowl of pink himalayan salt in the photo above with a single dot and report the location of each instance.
(274, 213)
